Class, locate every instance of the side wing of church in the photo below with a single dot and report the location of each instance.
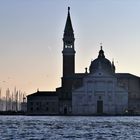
(99, 91)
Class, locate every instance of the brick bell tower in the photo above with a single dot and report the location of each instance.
(68, 53)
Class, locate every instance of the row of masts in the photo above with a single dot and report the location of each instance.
(12, 100)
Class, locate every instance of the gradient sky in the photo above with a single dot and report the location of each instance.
(31, 34)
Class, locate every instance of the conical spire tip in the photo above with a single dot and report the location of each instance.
(68, 9)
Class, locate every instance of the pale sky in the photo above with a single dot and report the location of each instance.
(31, 34)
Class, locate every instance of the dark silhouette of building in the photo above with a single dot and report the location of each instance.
(72, 97)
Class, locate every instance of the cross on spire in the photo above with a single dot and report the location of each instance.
(101, 52)
(101, 46)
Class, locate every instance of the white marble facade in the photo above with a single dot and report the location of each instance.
(100, 93)
(99, 88)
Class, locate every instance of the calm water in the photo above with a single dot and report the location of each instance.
(69, 128)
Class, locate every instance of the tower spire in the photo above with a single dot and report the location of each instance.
(68, 26)
(68, 36)
(68, 47)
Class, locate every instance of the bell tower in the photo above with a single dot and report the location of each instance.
(65, 95)
(68, 48)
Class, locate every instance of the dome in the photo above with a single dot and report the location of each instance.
(101, 63)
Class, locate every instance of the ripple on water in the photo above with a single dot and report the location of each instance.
(69, 128)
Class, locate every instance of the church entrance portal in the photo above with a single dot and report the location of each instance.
(65, 111)
(100, 107)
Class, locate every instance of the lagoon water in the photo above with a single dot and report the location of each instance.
(69, 128)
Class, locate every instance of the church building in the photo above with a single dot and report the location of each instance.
(99, 91)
